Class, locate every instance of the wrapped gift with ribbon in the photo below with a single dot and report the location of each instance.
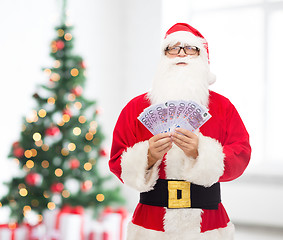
(99, 232)
(13, 231)
(36, 232)
(115, 222)
(65, 224)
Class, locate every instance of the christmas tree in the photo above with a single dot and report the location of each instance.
(60, 144)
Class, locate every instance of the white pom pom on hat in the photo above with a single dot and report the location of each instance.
(211, 78)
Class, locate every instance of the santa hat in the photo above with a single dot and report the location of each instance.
(186, 34)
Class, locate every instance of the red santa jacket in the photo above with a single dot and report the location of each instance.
(224, 153)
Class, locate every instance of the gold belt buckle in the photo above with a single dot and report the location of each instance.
(185, 200)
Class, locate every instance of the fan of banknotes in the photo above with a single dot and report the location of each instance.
(165, 117)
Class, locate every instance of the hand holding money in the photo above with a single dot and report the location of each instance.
(187, 141)
(158, 146)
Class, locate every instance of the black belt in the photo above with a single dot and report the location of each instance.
(182, 194)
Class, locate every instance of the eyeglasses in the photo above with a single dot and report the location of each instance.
(188, 50)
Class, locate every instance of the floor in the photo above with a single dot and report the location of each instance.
(258, 233)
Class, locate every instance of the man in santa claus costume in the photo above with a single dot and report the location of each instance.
(178, 174)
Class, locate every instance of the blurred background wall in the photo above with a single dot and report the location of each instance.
(120, 43)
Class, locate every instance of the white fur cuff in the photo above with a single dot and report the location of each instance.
(209, 165)
(136, 232)
(134, 165)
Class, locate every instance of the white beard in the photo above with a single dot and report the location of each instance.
(175, 82)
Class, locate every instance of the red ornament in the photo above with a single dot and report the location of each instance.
(103, 153)
(57, 187)
(78, 90)
(86, 186)
(98, 111)
(82, 64)
(74, 163)
(16, 144)
(60, 44)
(67, 112)
(18, 152)
(52, 131)
(33, 179)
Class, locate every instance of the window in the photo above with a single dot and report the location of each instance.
(245, 42)
(274, 98)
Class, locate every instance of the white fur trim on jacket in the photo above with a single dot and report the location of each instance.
(136, 232)
(226, 233)
(183, 220)
(134, 165)
(209, 165)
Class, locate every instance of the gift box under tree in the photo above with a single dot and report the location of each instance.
(111, 225)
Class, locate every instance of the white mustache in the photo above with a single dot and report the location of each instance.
(187, 60)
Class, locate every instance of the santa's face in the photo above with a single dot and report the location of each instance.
(181, 51)
(181, 77)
